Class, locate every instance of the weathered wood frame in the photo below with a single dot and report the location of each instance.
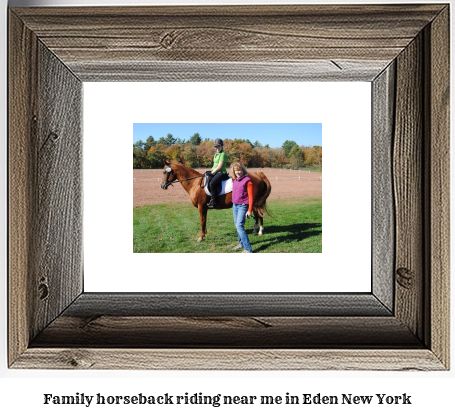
(403, 324)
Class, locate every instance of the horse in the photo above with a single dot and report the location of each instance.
(192, 182)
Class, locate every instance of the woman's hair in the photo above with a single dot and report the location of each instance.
(238, 164)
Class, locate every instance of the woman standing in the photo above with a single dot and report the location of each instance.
(218, 172)
(242, 203)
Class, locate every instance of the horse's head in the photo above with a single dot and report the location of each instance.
(168, 176)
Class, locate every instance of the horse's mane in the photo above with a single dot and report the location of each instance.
(188, 169)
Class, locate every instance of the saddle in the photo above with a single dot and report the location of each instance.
(224, 187)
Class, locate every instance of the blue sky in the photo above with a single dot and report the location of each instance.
(272, 134)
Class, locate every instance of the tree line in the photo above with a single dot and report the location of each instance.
(199, 152)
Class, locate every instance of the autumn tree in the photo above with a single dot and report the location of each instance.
(205, 153)
(245, 153)
(201, 152)
(140, 155)
(149, 143)
(318, 154)
(139, 159)
(174, 152)
(149, 154)
(190, 157)
(155, 156)
(268, 156)
(257, 159)
(296, 156)
(313, 155)
(231, 148)
(279, 158)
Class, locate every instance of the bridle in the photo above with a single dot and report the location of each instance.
(168, 183)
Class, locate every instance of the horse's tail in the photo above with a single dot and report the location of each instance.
(261, 202)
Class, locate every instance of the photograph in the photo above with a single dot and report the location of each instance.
(161, 214)
(196, 192)
(122, 276)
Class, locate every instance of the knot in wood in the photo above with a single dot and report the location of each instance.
(405, 278)
(53, 137)
(168, 40)
(43, 290)
(76, 359)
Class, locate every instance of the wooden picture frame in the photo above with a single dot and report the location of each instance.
(402, 324)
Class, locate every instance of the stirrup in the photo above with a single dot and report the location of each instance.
(212, 204)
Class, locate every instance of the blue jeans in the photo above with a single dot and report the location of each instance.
(239, 212)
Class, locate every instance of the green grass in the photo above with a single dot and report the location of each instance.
(315, 169)
(296, 226)
(311, 168)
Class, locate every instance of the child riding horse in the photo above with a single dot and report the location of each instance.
(191, 181)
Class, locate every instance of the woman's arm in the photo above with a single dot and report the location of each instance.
(218, 168)
(249, 189)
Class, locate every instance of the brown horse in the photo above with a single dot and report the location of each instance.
(192, 182)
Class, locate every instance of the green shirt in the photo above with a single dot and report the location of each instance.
(221, 156)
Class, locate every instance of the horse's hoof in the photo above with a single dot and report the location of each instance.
(199, 239)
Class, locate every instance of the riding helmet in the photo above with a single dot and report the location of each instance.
(218, 142)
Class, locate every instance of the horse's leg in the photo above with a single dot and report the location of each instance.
(256, 216)
(203, 214)
(261, 227)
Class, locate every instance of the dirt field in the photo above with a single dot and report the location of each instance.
(285, 184)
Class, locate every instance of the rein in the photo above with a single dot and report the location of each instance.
(184, 180)
(191, 178)
(167, 183)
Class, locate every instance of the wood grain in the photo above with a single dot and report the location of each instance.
(253, 332)
(234, 359)
(382, 200)
(403, 324)
(438, 197)
(89, 305)
(58, 204)
(21, 131)
(308, 71)
(45, 162)
(228, 34)
(408, 187)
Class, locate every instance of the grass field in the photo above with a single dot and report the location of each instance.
(296, 226)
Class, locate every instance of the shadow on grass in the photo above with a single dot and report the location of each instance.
(292, 233)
